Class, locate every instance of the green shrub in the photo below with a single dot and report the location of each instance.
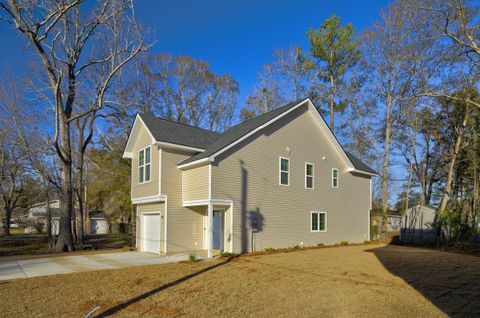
(269, 249)
(192, 257)
(226, 254)
(320, 244)
(344, 242)
(296, 247)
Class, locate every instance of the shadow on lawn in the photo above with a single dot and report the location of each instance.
(450, 281)
(152, 292)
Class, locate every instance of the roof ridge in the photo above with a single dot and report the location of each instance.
(180, 123)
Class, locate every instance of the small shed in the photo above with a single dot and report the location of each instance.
(418, 224)
(99, 224)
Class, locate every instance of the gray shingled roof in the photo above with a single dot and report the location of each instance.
(358, 164)
(238, 131)
(178, 133)
(212, 142)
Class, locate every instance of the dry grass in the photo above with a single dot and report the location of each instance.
(370, 280)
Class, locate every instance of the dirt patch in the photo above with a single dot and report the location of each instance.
(360, 281)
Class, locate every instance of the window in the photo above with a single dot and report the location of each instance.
(308, 175)
(144, 163)
(319, 222)
(334, 178)
(284, 173)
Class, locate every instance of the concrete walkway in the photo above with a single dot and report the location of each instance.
(26, 268)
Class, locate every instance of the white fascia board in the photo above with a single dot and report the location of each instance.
(179, 147)
(206, 202)
(195, 163)
(362, 172)
(127, 155)
(150, 199)
(328, 133)
(138, 119)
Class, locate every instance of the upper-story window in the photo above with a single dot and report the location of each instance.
(144, 163)
(334, 178)
(309, 175)
(284, 171)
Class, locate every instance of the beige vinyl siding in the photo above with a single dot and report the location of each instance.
(195, 183)
(184, 225)
(248, 174)
(143, 139)
(145, 208)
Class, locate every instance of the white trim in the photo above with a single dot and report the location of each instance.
(210, 230)
(361, 172)
(231, 227)
(137, 117)
(209, 181)
(338, 178)
(195, 163)
(206, 202)
(313, 176)
(369, 210)
(179, 147)
(280, 171)
(144, 165)
(159, 150)
(311, 219)
(127, 155)
(166, 227)
(149, 199)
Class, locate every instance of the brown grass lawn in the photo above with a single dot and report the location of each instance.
(350, 281)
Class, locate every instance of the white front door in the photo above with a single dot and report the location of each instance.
(150, 230)
(218, 230)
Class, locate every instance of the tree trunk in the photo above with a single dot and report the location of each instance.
(451, 167)
(81, 207)
(385, 163)
(8, 220)
(332, 104)
(65, 238)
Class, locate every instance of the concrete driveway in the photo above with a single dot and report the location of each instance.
(26, 268)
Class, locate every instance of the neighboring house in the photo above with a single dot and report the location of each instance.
(38, 213)
(394, 221)
(278, 180)
(418, 223)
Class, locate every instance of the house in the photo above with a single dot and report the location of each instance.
(394, 221)
(37, 213)
(418, 223)
(278, 180)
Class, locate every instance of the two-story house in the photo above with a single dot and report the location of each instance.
(278, 180)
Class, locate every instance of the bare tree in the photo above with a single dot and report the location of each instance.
(287, 78)
(69, 43)
(391, 55)
(187, 91)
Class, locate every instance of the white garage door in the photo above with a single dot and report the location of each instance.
(99, 226)
(150, 228)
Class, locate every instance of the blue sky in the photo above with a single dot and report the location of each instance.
(235, 37)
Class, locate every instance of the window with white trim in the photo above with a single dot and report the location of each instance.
(144, 165)
(319, 222)
(309, 175)
(284, 171)
(334, 178)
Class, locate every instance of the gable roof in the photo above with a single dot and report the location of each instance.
(178, 133)
(210, 144)
(359, 164)
(238, 131)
